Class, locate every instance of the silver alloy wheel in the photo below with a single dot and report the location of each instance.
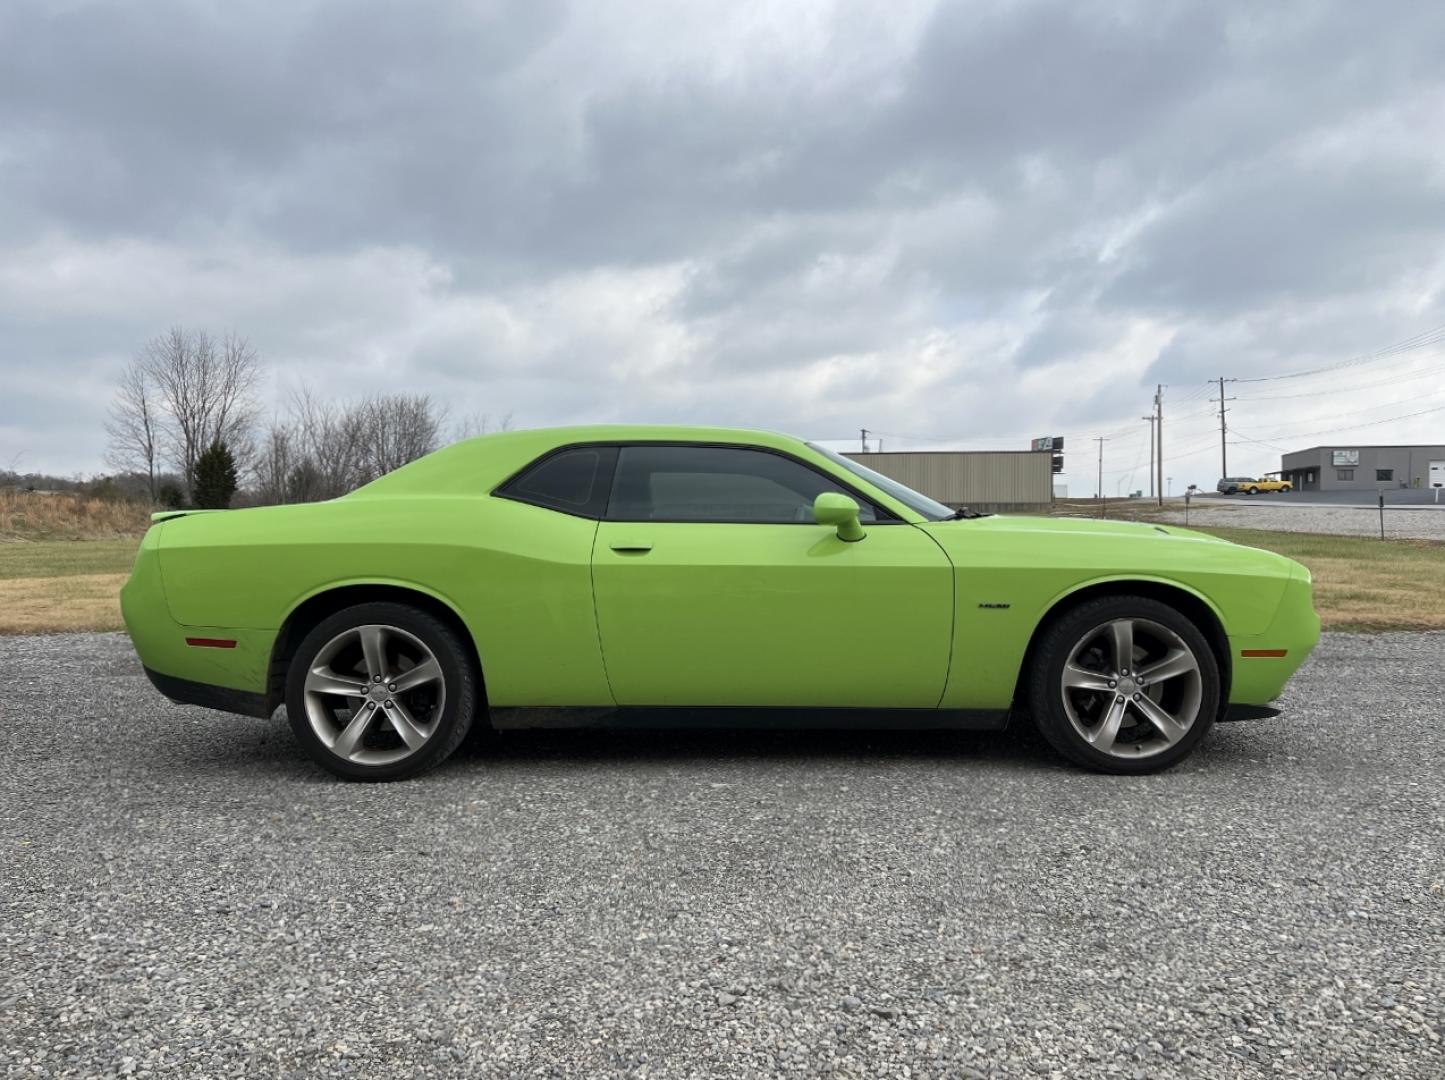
(374, 694)
(1132, 688)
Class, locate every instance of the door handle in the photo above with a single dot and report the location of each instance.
(635, 547)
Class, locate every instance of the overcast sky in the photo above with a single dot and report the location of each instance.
(956, 224)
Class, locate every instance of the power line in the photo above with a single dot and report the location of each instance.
(1259, 442)
(1391, 381)
(1422, 340)
(1198, 392)
(1353, 427)
(1382, 405)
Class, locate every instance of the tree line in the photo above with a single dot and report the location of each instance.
(186, 421)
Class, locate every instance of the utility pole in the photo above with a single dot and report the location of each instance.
(1100, 440)
(1151, 418)
(863, 438)
(1159, 440)
(1223, 427)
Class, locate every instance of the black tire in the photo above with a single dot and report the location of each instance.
(460, 691)
(1252, 491)
(1046, 693)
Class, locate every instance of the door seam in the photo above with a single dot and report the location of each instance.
(952, 613)
(596, 615)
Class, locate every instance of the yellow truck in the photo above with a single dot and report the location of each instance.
(1247, 485)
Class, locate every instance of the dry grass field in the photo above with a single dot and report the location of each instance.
(55, 585)
(26, 515)
(63, 559)
(1364, 585)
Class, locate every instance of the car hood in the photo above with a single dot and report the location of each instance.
(1101, 546)
(1070, 526)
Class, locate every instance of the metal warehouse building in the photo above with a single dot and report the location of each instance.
(1365, 468)
(978, 479)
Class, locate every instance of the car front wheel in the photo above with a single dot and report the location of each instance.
(381, 691)
(1124, 684)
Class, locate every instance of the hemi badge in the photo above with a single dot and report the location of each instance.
(1263, 652)
(211, 642)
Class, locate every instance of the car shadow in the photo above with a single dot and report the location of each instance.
(1019, 746)
(267, 746)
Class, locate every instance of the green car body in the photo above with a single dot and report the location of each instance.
(568, 610)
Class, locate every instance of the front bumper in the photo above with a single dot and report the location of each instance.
(1263, 663)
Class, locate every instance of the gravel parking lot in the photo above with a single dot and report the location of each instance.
(183, 894)
(1402, 522)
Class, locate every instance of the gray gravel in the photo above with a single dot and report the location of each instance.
(1424, 522)
(183, 894)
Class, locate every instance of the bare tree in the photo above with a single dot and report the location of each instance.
(323, 449)
(332, 440)
(398, 428)
(204, 389)
(474, 424)
(133, 426)
(234, 418)
(272, 464)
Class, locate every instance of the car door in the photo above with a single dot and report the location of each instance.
(714, 586)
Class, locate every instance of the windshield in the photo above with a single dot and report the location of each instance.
(922, 504)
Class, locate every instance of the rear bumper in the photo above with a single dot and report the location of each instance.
(208, 696)
(187, 657)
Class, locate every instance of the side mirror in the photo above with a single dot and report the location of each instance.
(833, 508)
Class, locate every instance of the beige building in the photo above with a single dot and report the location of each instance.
(978, 479)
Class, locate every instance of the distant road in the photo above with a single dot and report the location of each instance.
(1393, 497)
(1291, 513)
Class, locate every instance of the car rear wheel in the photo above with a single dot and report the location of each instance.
(1124, 684)
(381, 691)
(1251, 491)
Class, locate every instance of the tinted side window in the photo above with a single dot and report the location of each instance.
(717, 483)
(574, 481)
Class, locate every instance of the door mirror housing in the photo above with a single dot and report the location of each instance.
(835, 509)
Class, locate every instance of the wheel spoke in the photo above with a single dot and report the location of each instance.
(405, 724)
(1164, 723)
(373, 647)
(1175, 662)
(427, 671)
(323, 680)
(350, 737)
(1081, 678)
(1122, 632)
(346, 708)
(1103, 736)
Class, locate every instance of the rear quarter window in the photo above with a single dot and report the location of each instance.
(573, 481)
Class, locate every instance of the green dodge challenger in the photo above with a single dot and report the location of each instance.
(706, 576)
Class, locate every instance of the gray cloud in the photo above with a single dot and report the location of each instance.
(966, 222)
